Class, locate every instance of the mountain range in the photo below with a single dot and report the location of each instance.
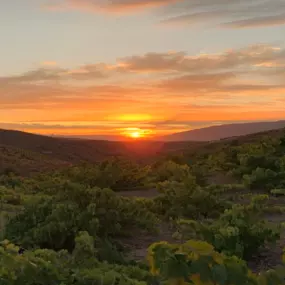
(214, 133)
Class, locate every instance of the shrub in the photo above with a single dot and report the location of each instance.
(240, 231)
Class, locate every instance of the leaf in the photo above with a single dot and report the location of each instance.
(199, 247)
(202, 268)
(219, 274)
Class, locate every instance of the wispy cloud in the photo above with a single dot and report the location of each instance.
(51, 72)
(223, 13)
(275, 20)
(115, 6)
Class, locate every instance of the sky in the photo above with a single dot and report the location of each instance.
(140, 67)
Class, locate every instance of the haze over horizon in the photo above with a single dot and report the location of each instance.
(140, 67)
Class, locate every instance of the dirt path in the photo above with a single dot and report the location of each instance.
(140, 241)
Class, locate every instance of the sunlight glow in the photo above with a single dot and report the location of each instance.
(135, 135)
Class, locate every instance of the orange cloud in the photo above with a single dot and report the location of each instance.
(255, 55)
(116, 6)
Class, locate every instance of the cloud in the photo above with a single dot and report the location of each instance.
(180, 62)
(191, 19)
(194, 83)
(240, 84)
(41, 74)
(153, 62)
(54, 73)
(275, 20)
(257, 60)
(221, 13)
(224, 13)
(106, 6)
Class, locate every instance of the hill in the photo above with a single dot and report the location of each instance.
(28, 153)
(224, 131)
(85, 230)
(25, 152)
(26, 162)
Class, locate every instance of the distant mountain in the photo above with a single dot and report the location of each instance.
(224, 131)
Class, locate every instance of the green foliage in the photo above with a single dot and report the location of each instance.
(9, 196)
(71, 221)
(261, 178)
(278, 192)
(10, 180)
(171, 171)
(117, 174)
(196, 262)
(261, 164)
(240, 231)
(47, 267)
(187, 199)
(54, 222)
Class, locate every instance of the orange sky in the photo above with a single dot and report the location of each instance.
(140, 68)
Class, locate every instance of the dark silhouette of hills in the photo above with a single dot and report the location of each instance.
(224, 131)
(29, 153)
(26, 152)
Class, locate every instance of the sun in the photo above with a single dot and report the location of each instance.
(135, 135)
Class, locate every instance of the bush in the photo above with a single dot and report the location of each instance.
(48, 267)
(240, 231)
(54, 222)
(187, 199)
(196, 262)
(278, 192)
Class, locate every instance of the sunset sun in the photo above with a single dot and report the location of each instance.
(135, 135)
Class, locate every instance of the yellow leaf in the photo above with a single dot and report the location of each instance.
(199, 247)
(218, 258)
(197, 281)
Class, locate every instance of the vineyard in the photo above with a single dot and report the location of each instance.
(210, 216)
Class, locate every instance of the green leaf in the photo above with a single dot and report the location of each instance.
(219, 274)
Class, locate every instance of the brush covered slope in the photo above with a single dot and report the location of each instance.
(57, 151)
(73, 225)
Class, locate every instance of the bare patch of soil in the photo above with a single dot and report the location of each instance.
(140, 241)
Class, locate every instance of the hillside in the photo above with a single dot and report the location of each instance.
(77, 225)
(224, 131)
(25, 152)
(26, 162)
(28, 153)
